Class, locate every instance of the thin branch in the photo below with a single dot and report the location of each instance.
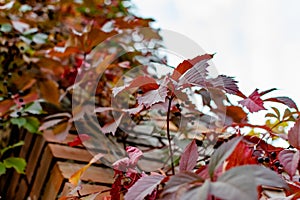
(168, 134)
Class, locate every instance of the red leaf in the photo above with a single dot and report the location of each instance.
(289, 159)
(145, 83)
(189, 157)
(254, 103)
(78, 140)
(143, 187)
(187, 64)
(242, 155)
(154, 96)
(294, 135)
(284, 100)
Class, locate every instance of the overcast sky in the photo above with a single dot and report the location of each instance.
(257, 41)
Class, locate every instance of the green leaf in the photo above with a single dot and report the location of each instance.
(20, 121)
(2, 168)
(18, 164)
(287, 114)
(277, 112)
(34, 108)
(20, 143)
(243, 181)
(271, 115)
(221, 154)
(6, 28)
(32, 124)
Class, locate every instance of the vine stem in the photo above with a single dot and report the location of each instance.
(169, 135)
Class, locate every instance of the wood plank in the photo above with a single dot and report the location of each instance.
(22, 189)
(34, 156)
(70, 153)
(86, 189)
(93, 173)
(41, 174)
(54, 184)
(50, 137)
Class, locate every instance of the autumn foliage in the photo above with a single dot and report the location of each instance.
(77, 66)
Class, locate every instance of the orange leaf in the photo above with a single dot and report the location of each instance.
(5, 106)
(237, 114)
(29, 84)
(49, 91)
(30, 97)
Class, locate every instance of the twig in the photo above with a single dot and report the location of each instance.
(168, 134)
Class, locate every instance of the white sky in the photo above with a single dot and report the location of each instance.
(257, 41)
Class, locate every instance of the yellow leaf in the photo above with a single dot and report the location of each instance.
(74, 179)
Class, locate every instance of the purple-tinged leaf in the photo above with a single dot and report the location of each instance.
(267, 91)
(196, 75)
(225, 83)
(134, 110)
(289, 159)
(284, 100)
(254, 103)
(188, 64)
(112, 126)
(179, 180)
(134, 154)
(294, 135)
(154, 96)
(143, 187)
(201, 192)
(104, 109)
(189, 157)
(221, 154)
(243, 181)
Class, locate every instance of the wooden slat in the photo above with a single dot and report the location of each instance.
(54, 184)
(93, 173)
(70, 153)
(50, 137)
(41, 174)
(86, 189)
(22, 189)
(34, 156)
